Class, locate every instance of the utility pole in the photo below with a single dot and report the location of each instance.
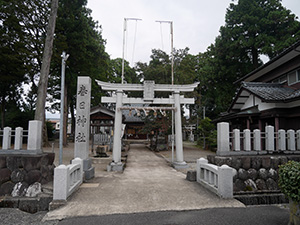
(172, 77)
(62, 97)
(124, 31)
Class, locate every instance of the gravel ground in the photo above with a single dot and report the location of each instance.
(9, 216)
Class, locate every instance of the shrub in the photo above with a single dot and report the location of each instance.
(207, 130)
(289, 180)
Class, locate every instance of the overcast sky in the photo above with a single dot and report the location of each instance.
(196, 23)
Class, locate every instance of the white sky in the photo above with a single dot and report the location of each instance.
(196, 24)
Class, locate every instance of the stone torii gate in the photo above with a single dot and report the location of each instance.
(148, 88)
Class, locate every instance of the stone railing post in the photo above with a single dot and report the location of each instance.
(236, 140)
(18, 138)
(225, 181)
(291, 140)
(79, 161)
(247, 140)
(281, 140)
(60, 183)
(270, 138)
(223, 138)
(200, 161)
(257, 140)
(6, 142)
(34, 135)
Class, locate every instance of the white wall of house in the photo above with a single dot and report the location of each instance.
(262, 106)
(249, 103)
(57, 127)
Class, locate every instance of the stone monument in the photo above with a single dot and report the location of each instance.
(82, 129)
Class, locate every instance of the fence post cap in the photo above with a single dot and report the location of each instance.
(202, 160)
(224, 166)
(77, 158)
(61, 166)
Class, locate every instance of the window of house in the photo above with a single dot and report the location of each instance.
(281, 79)
(292, 77)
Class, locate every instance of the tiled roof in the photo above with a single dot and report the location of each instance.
(271, 91)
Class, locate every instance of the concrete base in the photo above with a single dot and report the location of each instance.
(55, 204)
(89, 174)
(115, 166)
(180, 165)
(89, 171)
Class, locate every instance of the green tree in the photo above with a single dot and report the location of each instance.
(260, 27)
(252, 28)
(130, 75)
(208, 132)
(156, 125)
(22, 31)
(79, 36)
(13, 52)
(158, 69)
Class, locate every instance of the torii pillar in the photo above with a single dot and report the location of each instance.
(116, 164)
(179, 163)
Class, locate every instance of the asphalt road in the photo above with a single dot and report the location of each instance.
(257, 215)
(263, 215)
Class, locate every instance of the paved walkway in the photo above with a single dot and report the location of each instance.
(148, 184)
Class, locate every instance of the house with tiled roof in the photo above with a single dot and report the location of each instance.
(269, 95)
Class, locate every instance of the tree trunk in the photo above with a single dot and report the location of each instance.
(254, 57)
(47, 54)
(45, 136)
(3, 113)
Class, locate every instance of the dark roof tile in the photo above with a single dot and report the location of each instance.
(270, 91)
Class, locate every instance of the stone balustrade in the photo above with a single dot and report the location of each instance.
(255, 142)
(67, 179)
(34, 141)
(218, 179)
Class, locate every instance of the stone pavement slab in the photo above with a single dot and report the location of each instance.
(148, 184)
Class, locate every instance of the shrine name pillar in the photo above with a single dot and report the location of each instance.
(117, 165)
(179, 163)
(82, 129)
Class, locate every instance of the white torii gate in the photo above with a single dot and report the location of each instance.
(149, 87)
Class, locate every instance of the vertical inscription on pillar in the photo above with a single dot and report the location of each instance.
(82, 129)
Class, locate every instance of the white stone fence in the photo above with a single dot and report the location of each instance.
(255, 142)
(101, 139)
(34, 138)
(218, 179)
(67, 179)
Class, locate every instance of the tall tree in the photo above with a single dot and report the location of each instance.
(80, 36)
(260, 27)
(13, 52)
(47, 54)
(252, 28)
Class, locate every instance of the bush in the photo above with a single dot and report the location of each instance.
(50, 130)
(207, 130)
(289, 180)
